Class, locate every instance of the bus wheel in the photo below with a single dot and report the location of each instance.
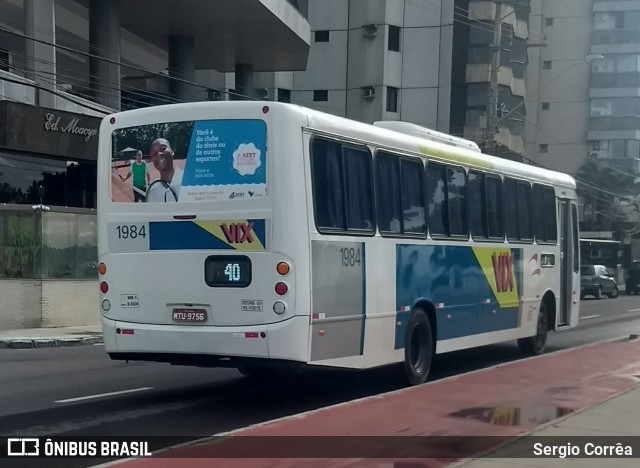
(418, 348)
(534, 345)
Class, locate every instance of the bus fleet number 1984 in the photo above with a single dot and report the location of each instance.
(350, 257)
(131, 231)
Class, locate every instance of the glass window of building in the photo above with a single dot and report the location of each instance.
(322, 36)
(392, 99)
(394, 38)
(320, 95)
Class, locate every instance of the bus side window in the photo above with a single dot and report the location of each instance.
(495, 224)
(477, 205)
(437, 199)
(388, 194)
(544, 214)
(358, 188)
(413, 209)
(550, 216)
(538, 213)
(456, 194)
(524, 215)
(328, 194)
(342, 179)
(510, 209)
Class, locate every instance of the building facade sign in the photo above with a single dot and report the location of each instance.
(39, 131)
(54, 123)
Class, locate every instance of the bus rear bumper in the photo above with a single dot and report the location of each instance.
(207, 345)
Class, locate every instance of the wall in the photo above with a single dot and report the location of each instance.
(48, 303)
(355, 57)
(70, 303)
(20, 304)
(563, 127)
(48, 274)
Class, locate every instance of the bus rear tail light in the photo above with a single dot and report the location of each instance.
(281, 289)
(104, 287)
(102, 269)
(283, 268)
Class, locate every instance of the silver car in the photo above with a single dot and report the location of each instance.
(596, 280)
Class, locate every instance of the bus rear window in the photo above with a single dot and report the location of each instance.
(192, 161)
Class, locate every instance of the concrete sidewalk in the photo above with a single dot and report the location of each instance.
(50, 337)
(592, 390)
(614, 420)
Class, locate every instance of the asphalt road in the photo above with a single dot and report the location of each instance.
(61, 391)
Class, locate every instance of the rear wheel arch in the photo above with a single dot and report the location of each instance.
(535, 345)
(430, 310)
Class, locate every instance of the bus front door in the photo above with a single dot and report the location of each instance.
(569, 264)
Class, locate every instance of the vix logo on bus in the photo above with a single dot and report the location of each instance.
(238, 233)
(501, 269)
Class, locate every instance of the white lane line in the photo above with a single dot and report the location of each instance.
(633, 310)
(98, 344)
(100, 395)
(589, 317)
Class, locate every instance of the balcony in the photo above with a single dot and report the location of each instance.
(16, 88)
(623, 164)
(615, 80)
(271, 35)
(616, 36)
(617, 124)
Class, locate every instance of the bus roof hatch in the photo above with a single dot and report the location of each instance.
(422, 132)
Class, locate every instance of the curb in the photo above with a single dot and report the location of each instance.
(541, 428)
(29, 343)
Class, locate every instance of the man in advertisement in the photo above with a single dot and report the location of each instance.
(141, 178)
(167, 188)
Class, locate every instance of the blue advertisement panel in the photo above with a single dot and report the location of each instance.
(210, 160)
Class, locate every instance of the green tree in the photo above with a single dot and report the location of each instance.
(141, 137)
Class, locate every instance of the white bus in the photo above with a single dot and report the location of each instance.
(267, 234)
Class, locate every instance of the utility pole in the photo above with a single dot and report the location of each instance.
(492, 117)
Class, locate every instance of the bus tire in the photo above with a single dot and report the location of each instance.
(418, 348)
(534, 345)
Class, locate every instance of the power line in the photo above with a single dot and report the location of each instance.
(120, 63)
(55, 93)
(51, 78)
(458, 11)
(178, 78)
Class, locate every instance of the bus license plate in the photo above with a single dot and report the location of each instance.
(189, 315)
